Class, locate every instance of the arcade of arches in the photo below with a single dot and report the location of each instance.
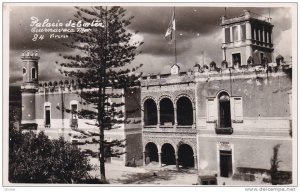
(166, 113)
(183, 156)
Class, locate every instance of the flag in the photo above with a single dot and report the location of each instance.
(170, 33)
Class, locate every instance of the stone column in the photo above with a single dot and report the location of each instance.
(144, 158)
(263, 34)
(248, 31)
(224, 52)
(159, 159)
(239, 33)
(176, 158)
(259, 37)
(231, 35)
(158, 117)
(175, 116)
(142, 118)
(195, 162)
(194, 117)
(223, 32)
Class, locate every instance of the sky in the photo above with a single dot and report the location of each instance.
(197, 30)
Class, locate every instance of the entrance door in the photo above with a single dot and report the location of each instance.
(225, 163)
(236, 59)
(47, 115)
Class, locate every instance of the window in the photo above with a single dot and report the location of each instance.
(184, 111)
(235, 33)
(243, 32)
(47, 116)
(211, 117)
(266, 36)
(150, 112)
(33, 73)
(237, 114)
(24, 71)
(257, 35)
(253, 33)
(227, 35)
(224, 110)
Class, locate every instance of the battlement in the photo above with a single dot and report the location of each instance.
(212, 71)
(27, 55)
(55, 86)
(246, 16)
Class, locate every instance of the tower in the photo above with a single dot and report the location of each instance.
(247, 40)
(29, 88)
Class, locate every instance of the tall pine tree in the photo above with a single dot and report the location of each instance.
(101, 63)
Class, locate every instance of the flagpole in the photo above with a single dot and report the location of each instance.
(175, 53)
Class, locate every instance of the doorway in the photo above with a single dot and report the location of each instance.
(225, 163)
(47, 116)
(236, 59)
(185, 156)
(168, 154)
(151, 153)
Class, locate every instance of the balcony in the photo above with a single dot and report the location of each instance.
(74, 123)
(224, 130)
(170, 128)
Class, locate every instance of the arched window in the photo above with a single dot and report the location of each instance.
(224, 110)
(47, 114)
(150, 112)
(166, 112)
(184, 111)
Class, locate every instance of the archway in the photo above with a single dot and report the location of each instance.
(150, 112)
(168, 154)
(166, 112)
(185, 156)
(184, 111)
(224, 110)
(151, 152)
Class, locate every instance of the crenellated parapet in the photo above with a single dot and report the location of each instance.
(27, 55)
(61, 85)
(211, 70)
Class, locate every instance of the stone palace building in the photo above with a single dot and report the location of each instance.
(218, 120)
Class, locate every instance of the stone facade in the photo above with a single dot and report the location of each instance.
(215, 120)
(237, 113)
(42, 104)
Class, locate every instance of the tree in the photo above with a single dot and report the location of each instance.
(275, 165)
(102, 65)
(37, 159)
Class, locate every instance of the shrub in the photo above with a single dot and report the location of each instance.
(37, 159)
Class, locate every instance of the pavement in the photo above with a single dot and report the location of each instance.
(153, 175)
